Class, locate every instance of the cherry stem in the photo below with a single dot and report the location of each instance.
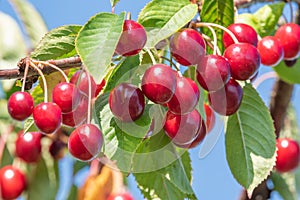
(54, 67)
(215, 39)
(263, 78)
(206, 24)
(128, 16)
(89, 96)
(44, 81)
(25, 74)
(151, 56)
(170, 61)
(3, 139)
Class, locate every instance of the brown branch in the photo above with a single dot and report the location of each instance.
(18, 73)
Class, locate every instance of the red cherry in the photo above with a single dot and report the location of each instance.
(290, 63)
(213, 72)
(243, 33)
(185, 98)
(123, 196)
(28, 146)
(100, 87)
(12, 182)
(126, 102)
(66, 96)
(20, 105)
(288, 154)
(228, 100)
(77, 116)
(289, 37)
(182, 129)
(132, 40)
(244, 60)
(47, 117)
(85, 142)
(81, 80)
(187, 46)
(210, 118)
(270, 50)
(159, 83)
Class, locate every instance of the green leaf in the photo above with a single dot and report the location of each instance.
(220, 12)
(250, 141)
(29, 125)
(288, 74)
(33, 22)
(38, 94)
(284, 184)
(97, 40)
(73, 193)
(58, 43)
(114, 2)
(251, 20)
(7, 158)
(163, 18)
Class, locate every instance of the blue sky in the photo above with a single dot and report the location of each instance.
(212, 177)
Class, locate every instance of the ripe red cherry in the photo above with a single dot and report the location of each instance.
(47, 117)
(100, 87)
(210, 118)
(213, 72)
(288, 154)
(20, 105)
(132, 40)
(185, 98)
(12, 182)
(66, 96)
(28, 146)
(270, 50)
(85, 142)
(182, 129)
(289, 37)
(244, 60)
(123, 196)
(187, 46)
(228, 100)
(243, 33)
(126, 102)
(77, 116)
(159, 83)
(81, 80)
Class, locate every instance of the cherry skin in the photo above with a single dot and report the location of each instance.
(66, 96)
(270, 50)
(47, 117)
(243, 33)
(126, 102)
(288, 155)
(185, 98)
(187, 46)
(228, 100)
(85, 142)
(100, 87)
(244, 60)
(210, 117)
(289, 37)
(290, 63)
(132, 40)
(213, 72)
(182, 129)
(123, 196)
(12, 182)
(20, 105)
(159, 83)
(81, 80)
(28, 146)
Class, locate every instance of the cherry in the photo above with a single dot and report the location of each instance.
(122, 196)
(85, 142)
(244, 60)
(159, 83)
(20, 105)
(254, 77)
(289, 37)
(182, 129)
(290, 63)
(81, 80)
(47, 117)
(210, 117)
(56, 149)
(228, 100)
(288, 154)
(132, 40)
(12, 182)
(28, 146)
(126, 102)
(66, 96)
(187, 46)
(243, 33)
(100, 87)
(185, 98)
(213, 72)
(270, 50)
